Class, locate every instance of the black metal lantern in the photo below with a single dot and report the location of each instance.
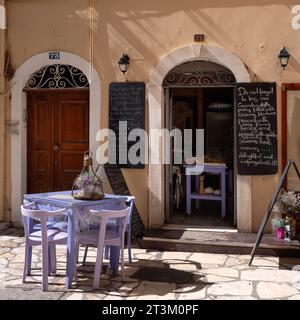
(284, 57)
(124, 63)
(87, 186)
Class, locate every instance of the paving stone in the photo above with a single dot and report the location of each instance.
(8, 244)
(224, 272)
(3, 262)
(265, 263)
(211, 278)
(75, 296)
(129, 286)
(296, 268)
(184, 267)
(149, 290)
(296, 297)
(295, 283)
(21, 258)
(9, 256)
(25, 293)
(242, 267)
(269, 290)
(93, 296)
(4, 250)
(232, 262)
(144, 256)
(208, 258)
(233, 298)
(235, 288)
(268, 275)
(191, 292)
(174, 255)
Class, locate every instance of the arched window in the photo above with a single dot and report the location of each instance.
(199, 73)
(57, 76)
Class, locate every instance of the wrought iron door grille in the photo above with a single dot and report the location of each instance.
(57, 76)
(199, 73)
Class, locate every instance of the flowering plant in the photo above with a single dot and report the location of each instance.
(290, 201)
(278, 223)
(85, 179)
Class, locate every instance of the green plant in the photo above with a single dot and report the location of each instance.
(278, 223)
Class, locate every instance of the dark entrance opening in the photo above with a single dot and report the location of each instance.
(203, 98)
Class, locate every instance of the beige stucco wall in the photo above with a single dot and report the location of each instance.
(147, 31)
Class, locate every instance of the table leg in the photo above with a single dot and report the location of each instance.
(223, 193)
(197, 190)
(70, 248)
(188, 194)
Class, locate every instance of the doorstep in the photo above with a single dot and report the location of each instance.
(227, 241)
(4, 225)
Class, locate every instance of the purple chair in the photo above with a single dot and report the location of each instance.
(112, 225)
(106, 237)
(47, 237)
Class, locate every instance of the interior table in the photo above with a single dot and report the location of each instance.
(196, 171)
(77, 217)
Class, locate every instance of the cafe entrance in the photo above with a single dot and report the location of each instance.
(200, 95)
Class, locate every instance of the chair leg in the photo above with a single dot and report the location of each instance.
(85, 255)
(53, 258)
(114, 259)
(28, 261)
(98, 267)
(129, 245)
(77, 253)
(45, 253)
(122, 263)
(25, 263)
(106, 252)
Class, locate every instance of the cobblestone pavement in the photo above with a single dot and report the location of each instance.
(192, 276)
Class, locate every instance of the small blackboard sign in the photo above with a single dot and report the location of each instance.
(126, 103)
(256, 123)
(119, 187)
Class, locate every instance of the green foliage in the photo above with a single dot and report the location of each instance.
(278, 223)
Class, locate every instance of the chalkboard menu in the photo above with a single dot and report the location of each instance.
(119, 186)
(256, 122)
(126, 104)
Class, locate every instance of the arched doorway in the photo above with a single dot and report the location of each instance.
(57, 121)
(156, 102)
(200, 95)
(19, 104)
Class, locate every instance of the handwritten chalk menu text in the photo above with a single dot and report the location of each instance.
(256, 115)
(127, 105)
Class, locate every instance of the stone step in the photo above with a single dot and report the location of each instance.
(4, 225)
(224, 241)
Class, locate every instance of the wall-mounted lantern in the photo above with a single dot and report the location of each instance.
(124, 63)
(284, 57)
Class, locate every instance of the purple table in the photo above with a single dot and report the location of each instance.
(77, 210)
(195, 171)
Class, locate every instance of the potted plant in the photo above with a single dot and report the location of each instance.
(291, 203)
(279, 227)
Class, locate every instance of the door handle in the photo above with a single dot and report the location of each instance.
(55, 147)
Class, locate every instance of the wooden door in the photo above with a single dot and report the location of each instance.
(57, 136)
